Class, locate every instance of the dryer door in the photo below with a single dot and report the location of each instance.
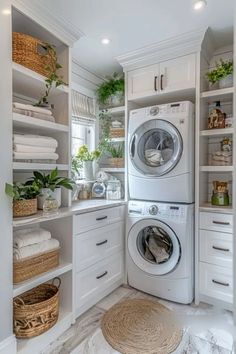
(154, 247)
(155, 147)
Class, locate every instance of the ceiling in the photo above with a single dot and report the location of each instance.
(132, 24)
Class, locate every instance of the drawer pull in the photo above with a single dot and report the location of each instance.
(101, 243)
(219, 282)
(221, 249)
(220, 222)
(101, 218)
(102, 275)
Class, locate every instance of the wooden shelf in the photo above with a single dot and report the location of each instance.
(217, 132)
(213, 208)
(216, 168)
(20, 288)
(226, 93)
(28, 166)
(21, 121)
(113, 169)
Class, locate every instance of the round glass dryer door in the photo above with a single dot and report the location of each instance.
(154, 247)
(156, 147)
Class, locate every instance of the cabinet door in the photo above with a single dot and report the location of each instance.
(178, 74)
(143, 82)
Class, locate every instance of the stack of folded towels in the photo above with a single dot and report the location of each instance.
(31, 242)
(33, 111)
(34, 147)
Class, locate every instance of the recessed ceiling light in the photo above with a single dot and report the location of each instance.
(6, 11)
(199, 4)
(105, 41)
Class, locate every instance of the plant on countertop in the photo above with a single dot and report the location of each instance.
(222, 70)
(50, 181)
(83, 154)
(22, 191)
(112, 86)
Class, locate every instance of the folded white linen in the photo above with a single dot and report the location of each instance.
(34, 114)
(37, 248)
(34, 140)
(30, 236)
(30, 107)
(35, 156)
(32, 149)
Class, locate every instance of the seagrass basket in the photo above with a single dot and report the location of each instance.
(25, 207)
(36, 311)
(116, 162)
(116, 133)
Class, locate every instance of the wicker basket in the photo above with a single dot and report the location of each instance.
(31, 266)
(36, 311)
(27, 51)
(25, 207)
(116, 162)
(116, 133)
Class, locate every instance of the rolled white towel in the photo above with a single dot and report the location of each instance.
(26, 237)
(37, 248)
(34, 140)
(28, 148)
(30, 107)
(35, 156)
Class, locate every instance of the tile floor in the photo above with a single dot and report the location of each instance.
(206, 330)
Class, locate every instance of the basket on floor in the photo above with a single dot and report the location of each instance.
(29, 267)
(29, 52)
(36, 311)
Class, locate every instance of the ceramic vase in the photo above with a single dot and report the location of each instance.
(88, 170)
(226, 82)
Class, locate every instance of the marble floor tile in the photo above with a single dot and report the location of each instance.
(114, 297)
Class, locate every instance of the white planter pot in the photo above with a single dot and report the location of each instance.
(88, 170)
(226, 82)
(56, 194)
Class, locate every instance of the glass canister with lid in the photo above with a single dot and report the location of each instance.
(113, 191)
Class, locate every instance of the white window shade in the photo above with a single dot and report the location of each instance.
(83, 107)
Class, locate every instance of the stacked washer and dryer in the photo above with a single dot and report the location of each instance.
(160, 223)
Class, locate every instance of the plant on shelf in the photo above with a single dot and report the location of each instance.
(52, 79)
(223, 73)
(105, 125)
(24, 198)
(111, 92)
(117, 154)
(85, 159)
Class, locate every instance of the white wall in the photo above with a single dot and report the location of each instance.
(84, 77)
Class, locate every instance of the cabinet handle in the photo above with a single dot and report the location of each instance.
(101, 243)
(132, 148)
(101, 218)
(220, 222)
(219, 282)
(102, 275)
(220, 249)
(162, 76)
(155, 83)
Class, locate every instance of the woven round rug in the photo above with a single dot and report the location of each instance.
(138, 326)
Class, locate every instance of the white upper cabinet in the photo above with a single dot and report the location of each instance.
(143, 82)
(172, 75)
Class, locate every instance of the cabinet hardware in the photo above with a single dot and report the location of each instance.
(102, 275)
(155, 83)
(220, 249)
(219, 282)
(162, 76)
(132, 149)
(101, 218)
(220, 222)
(101, 243)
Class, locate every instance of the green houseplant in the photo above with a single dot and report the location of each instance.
(117, 154)
(223, 73)
(50, 184)
(85, 159)
(24, 198)
(111, 92)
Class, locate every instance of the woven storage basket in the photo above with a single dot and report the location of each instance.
(116, 162)
(116, 133)
(36, 311)
(27, 51)
(24, 207)
(31, 266)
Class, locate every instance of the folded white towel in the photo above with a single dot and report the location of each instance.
(30, 236)
(32, 114)
(28, 148)
(34, 140)
(30, 107)
(37, 248)
(35, 156)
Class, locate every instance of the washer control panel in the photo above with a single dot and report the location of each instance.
(171, 108)
(153, 210)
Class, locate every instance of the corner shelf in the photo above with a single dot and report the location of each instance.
(29, 166)
(218, 209)
(226, 93)
(216, 168)
(217, 132)
(115, 110)
(24, 122)
(117, 140)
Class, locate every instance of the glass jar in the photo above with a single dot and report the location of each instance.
(50, 206)
(220, 198)
(113, 190)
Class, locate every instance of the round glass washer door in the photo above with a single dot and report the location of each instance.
(155, 147)
(154, 247)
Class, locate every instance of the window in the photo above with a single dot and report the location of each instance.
(82, 133)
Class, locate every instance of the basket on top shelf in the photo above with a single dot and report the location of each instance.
(116, 133)
(36, 311)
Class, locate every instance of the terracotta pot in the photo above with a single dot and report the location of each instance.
(25, 207)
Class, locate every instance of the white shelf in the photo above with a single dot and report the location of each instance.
(28, 166)
(217, 132)
(20, 288)
(117, 140)
(216, 168)
(31, 84)
(217, 93)
(218, 209)
(115, 110)
(113, 169)
(21, 121)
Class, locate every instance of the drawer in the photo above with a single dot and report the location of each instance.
(216, 222)
(95, 245)
(216, 248)
(99, 218)
(95, 279)
(216, 282)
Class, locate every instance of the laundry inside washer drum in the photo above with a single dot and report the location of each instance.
(154, 244)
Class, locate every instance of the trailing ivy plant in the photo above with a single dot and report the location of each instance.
(223, 69)
(105, 124)
(111, 86)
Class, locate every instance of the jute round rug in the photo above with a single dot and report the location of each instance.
(138, 326)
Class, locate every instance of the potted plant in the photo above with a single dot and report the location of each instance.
(86, 159)
(111, 92)
(223, 73)
(117, 155)
(24, 198)
(50, 185)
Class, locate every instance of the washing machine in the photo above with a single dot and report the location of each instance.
(160, 258)
(161, 153)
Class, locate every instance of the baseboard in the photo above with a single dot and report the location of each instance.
(8, 345)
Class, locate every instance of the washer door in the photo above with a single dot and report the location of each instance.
(154, 247)
(155, 147)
